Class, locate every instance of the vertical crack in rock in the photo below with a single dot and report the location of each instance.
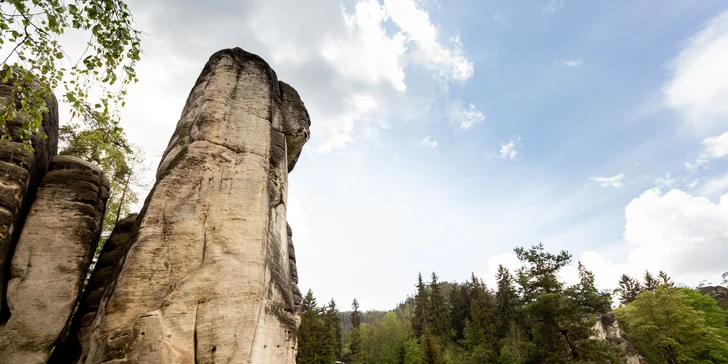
(75, 348)
(51, 259)
(218, 213)
(20, 174)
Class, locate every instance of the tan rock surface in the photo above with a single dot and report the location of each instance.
(51, 259)
(207, 277)
(20, 174)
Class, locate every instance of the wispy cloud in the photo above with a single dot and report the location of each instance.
(713, 148)
(509, 150)
(465, 116)
(614, 181)
(428, 142)
(553, 6)
(698, 86)
(573, 62)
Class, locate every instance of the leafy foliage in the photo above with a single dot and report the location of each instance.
(676, 325)
(37, 63)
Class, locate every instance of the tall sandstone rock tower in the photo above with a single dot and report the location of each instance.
(209, 276)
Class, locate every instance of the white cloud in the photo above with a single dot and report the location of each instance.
(509, 150)
(713, 148)
(683, 234)
(428, 142)
(508, 260)
(698, 86)
(415, 25)
(614, 181)
(464, 116)
(553, 6)
(714, 187)
(573, 62)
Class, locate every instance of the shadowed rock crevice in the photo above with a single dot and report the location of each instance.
(207, 275)
(51, 259)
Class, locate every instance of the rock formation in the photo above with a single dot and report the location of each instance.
(209, 273)
(20, 173)
(51, 258)
(719, 293)
(75, 347)
(608, 329)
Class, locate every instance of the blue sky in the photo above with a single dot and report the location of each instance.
(446, 133)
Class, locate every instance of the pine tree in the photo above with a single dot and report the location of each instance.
(651, 283)
(355, 315)
(355, 339)
(439, 322)
(558, 321)
(480, 333)
(420, 319)
(628, 289)
(506, 300)
(665, 280)
(333, 331)
(311, 332)
(459, 309)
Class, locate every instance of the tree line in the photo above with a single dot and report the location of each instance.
(530, 316)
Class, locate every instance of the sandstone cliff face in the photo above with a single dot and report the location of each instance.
(51, 258)
(20, 173)
(75, 348)
(209, 274)
(608, 329)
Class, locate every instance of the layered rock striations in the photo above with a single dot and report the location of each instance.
(20, 173)
(209, 275)
(51, 259)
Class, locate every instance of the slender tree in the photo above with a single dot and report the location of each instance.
(506, 300)
(420, 319)
(665, 280)
(437, 309)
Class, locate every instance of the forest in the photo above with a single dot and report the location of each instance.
(529, 317)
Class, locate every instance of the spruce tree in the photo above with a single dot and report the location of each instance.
(459, 309)
(481, 329)
(628, 289)
(420, 319)
(651, 283)
(355, 339)
(312, 333)
(506, 301)
(333, 331)
(437, 312)
(665, 280)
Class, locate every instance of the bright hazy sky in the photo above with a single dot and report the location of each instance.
(447, 132)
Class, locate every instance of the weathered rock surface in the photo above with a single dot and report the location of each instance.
(719, 293)
(20, 173)
(208, 274)
(51, 258)
(75, 348)
(607, 328)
